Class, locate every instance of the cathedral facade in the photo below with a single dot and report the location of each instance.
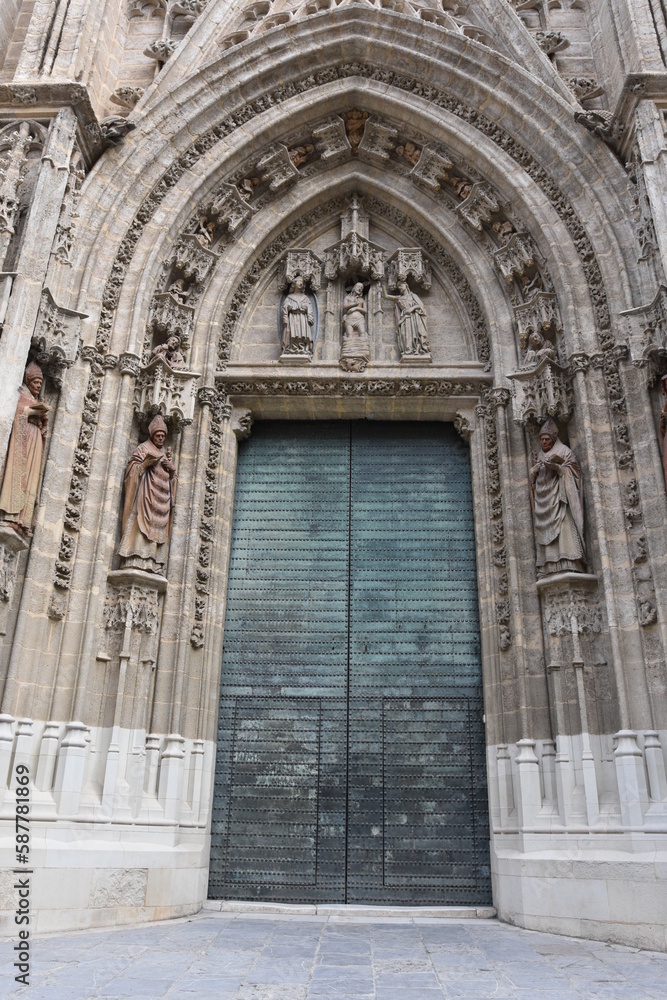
(333, 341)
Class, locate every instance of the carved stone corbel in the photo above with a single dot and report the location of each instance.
(229, 208)
(431, 168)
(540, 314)
(479, 206)
(304, 263)
(602, 124)
(408, 262)
(11, 547)
(241, 423)
(331, 140)
(192, 259)
(515, 256)
(56, 337)
(277, 168)
(545, 391)
(170, 317)
(167, 391)
(378, 141)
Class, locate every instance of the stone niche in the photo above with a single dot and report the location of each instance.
(257, 338)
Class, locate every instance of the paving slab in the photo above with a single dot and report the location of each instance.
(218, 955)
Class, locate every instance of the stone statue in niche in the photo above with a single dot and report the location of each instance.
(298, 320)
(557, 501)
(23, 467)
(663, 426)
(150, 492)
(179, 291)
(171, 353)
(410, 323)
(355, 351)
(539, 350)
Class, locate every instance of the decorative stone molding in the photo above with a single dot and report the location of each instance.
(242, 116)
(479, 206)
(347, 385)
(167, 391)
(56, 337)
(15, 143)
(99, 364)
(221, 412)
(66, 228)
(304, 263)
(408, 262)
(169, 317)
(494, 398)
(545, 391)
(11, 547)
(516, 256)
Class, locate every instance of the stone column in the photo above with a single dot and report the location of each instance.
(31, 266)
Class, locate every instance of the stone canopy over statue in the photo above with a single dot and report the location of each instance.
(150, 493)
(22, 470)
(557, 501)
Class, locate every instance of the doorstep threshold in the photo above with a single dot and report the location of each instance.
(352, 910)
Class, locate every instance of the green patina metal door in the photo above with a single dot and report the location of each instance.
(351, 759)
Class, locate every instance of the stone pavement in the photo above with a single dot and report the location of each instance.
(248, 956)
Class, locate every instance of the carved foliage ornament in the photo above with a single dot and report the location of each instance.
(221, 412)
(132, 607)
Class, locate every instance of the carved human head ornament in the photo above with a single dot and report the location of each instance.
(33, 373)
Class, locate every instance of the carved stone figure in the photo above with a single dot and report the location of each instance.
(410, 322)
(539, 350)
(557, 502)
(179, 291)
(170, 352)
(356, 348)
(150, 492)
(663, 426)
(297, 320)
(23, 466)
(114, 128)
(300, 154)
(205, 231)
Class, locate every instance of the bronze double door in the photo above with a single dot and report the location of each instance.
(351, 759)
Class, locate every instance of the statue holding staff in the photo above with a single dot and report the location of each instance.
(150, 493)
(22, 470)
(558, 512)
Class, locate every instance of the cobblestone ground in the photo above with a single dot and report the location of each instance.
(255, 957)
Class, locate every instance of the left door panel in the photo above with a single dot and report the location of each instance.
(279, 813)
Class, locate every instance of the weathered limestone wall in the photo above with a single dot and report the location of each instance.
(254, 145)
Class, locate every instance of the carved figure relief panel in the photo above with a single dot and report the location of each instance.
(353, 295)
